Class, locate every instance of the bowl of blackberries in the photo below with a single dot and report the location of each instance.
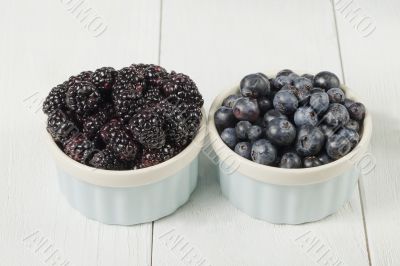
(126, 141)
(293, 143)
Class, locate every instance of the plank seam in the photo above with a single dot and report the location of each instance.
(360, 184)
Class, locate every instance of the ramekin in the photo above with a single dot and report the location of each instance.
(132, 196)
(286, 196)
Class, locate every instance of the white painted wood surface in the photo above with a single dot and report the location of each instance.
(372, 67)
(42, 44)
(215, 42)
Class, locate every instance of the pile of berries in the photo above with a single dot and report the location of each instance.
(290, 121)
(132, 118)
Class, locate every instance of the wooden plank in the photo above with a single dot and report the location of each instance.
(41, 46)
(217, 43)
(371, 67)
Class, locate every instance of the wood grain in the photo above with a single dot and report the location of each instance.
(217, 43)
(41, 46)
(372, 68)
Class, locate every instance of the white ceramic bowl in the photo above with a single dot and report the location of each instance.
(132, 196)
(286, 196)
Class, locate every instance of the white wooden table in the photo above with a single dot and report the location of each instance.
(216, 43)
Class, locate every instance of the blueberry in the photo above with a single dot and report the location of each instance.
(353, 125)
(337, 146)
(311, 161)
(281, 132)
(316, 89)
(263, 152)
(255, 85)
(319, 101)
(308, 76)
(303, 83)
(305, 116)
(348, 102)
(285, 102)
(290, 160)
(228, 136)
(326, 80)
(272, 114)
(243, 149)
(264, 104)
(242, 127)
(357, 111)
(292, 77)
(246, 109)
(309, 140)
(284, 72)
(324, 158)
(224, 118)
(255, 133)
(303, 95)
(230, 100)
(329, 130)
(281, 81)
(351, 135)
(337, 115)
(336, 95)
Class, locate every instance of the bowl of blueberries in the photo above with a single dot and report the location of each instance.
(292, 142)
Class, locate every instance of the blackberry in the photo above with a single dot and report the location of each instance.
(106, 159)
(147, 128)
(80, 148)
(183, 88)
(83, 76)
(104, 78)
(152, 157)
(132, 79)
(181, 122)
(110, 129)
(55, 100)
(92, 124)
(122, 144)
(126, 103)
(60, 126)
(150, 97)
(83, 98)
(155, 75)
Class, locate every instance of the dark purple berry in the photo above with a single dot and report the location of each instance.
(324, 158)
(242, 127)
(336, 95)
(284, 72)
(106, 159)
(224, 118)
(285, 102)
(83, 98)
(254, 133)
(337, 115)
(311, 161)
(309, 140)
(353, 125)
(147, 128)
(80, 148)
(302, 83)
(263, 152)
(305, 116)
(229, 137)
(290, 160)
(56, 99)
(319, 101)
(337, 146)
(264, 104)
(230, 100)
(351, 135)
(255, 85)
(326, 80)
(272, 114)
(357, 111)
(281, 81)
(104, 78)
(281, 132)
(243, 149)
(246, 109)
(309, 77)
